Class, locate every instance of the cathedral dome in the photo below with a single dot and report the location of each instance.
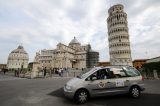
(74, 41)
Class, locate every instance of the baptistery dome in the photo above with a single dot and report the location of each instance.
(18, 58)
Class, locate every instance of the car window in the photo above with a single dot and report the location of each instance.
(102, 74)
(88, 73)
(132, 72)
(117, 73)
(99, 75)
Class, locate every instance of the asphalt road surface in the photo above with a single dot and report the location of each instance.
(49, 92)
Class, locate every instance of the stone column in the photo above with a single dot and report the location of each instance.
(35, 70)
(144, 74)
(155, 74)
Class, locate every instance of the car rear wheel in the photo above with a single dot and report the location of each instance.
(81, 96)
(135, 92)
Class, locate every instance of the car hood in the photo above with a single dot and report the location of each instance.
(74, 81)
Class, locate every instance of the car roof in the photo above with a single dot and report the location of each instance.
(111, 67)
(116, 66)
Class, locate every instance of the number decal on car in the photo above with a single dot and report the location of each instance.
(119, 83)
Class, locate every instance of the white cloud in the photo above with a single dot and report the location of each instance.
(40, 24)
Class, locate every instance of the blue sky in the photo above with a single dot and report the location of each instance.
(42, 24)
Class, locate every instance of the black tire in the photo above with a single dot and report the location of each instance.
(81, 96)
(135, 92)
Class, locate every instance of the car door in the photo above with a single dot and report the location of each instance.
(101, 84)
(121, 80)
(133, 76)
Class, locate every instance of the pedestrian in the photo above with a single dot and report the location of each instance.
(45, 72)
(4, 71)
(67, 71)
(50, 72)
(56, 71)
(62, 72)
(59, 72)
(18, 72)
(15, 73)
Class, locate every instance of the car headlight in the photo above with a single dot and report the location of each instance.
(68, 87)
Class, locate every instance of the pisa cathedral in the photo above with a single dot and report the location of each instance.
(118, 37)
(73, 55)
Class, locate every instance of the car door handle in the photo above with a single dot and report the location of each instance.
(108, 82)
(127, 80)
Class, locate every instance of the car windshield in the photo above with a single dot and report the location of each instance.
(88, 73)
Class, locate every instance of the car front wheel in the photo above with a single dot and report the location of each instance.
(135, 92)
(81, 96)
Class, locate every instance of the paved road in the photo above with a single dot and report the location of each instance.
(48, 92)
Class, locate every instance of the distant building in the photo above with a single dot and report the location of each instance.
(45, 58)
(92, 58)
(3, 66)
(155, 59)
(138, 63)
(72, 56)
(104, 64)
(30, 65)
(36, 59)
(18, 58)
(118, 37)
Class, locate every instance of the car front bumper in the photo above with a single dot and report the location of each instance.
(68, 93)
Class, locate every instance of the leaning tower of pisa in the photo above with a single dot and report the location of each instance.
(118, 37)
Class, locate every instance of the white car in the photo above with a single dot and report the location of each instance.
(101, 81)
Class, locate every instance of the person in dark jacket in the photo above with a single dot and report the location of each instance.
(45, 71)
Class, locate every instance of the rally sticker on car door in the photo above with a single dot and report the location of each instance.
(119, 83)
(101, 85)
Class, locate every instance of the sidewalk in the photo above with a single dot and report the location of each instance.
(69, 74)
(8, 76)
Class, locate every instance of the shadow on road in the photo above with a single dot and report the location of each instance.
(116, 100)
(57, 93)
(145, 100)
